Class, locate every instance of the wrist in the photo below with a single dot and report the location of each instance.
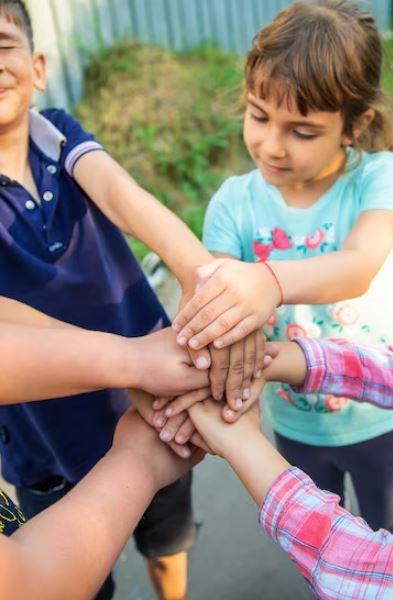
(266, 271)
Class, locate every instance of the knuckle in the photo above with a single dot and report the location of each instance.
(223, 323)
(236, 367)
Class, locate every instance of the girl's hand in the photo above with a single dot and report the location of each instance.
(143, 404)
(232, 300)
(222, 437)
(235, 367)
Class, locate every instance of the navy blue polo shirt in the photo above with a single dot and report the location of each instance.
(65, 258)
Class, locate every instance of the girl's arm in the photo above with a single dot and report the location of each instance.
(222, 311)
(67, 551)
(333, 550)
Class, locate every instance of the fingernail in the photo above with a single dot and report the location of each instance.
(185, 452)
(258, 374)
(246, 394)
(202, 363)
(193, 344)
(168, 412)
(238, 403)
(165, 436)
(181, 340)
(159, 421)
(156, 404)
(176, 327)
(230, 413)
(179, 439)
(218, 343)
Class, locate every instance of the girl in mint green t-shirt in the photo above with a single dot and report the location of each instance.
(316, 219)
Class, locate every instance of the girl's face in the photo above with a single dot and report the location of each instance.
(292, 150)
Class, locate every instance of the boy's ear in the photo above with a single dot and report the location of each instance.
(39, 70)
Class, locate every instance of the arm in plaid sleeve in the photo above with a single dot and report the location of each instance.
(343, 368)
(338, 554)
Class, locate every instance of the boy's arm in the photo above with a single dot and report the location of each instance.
(67, 551)
(224, 312)
(12, 311)
(45, 363)
(139, 214)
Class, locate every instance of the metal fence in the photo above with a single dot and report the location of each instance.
(69, 32)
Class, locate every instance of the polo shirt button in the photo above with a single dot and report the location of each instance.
(52, 169)
(48, 196)
(30, 205)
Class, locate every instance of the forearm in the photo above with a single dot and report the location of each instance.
(62, 362)
(67, 551)
(324, 279)
(256, 463)
(12, 311)
(333, 550)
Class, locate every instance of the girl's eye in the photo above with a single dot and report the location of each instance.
(7, 47)
(304, 136)
(259, 118)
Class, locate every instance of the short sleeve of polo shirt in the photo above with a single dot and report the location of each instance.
(78, 141)
(220, 230)
(376, 182)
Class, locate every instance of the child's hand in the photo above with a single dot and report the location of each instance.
(165, 368)
(222, 437)
(134, 434)
(234, 299)
(143, 404)
(234, 368)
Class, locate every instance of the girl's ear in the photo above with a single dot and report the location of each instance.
(359, 126)
(39, 70)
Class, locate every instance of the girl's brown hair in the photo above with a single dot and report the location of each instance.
(326, 55)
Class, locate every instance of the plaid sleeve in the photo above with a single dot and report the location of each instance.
(338, 554)
(343, 368)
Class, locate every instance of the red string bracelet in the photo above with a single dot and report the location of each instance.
(277, 282)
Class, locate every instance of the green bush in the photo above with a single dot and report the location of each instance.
(170, 119)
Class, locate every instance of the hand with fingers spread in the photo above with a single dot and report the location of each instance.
(232, 301)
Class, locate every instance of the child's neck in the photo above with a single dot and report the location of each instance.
(307, 193)
(14, 155)
(14, 150)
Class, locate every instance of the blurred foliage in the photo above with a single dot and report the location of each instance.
(388, 78)
(171, 119)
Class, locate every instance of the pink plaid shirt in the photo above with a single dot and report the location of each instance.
(338, 554)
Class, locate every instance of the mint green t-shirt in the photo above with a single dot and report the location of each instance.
(249, 219)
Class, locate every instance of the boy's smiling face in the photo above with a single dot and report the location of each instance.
(21, 73)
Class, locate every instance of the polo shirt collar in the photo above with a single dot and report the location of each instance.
(46, 136)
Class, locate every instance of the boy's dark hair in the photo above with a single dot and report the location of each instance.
(327, 55)
(15, 11)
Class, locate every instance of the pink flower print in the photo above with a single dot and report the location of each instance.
(295, 331)
(315, 240)
(272, 320)
(280, 239)
(285, 396)
(335, 403)
(345, 314)
(262, 251)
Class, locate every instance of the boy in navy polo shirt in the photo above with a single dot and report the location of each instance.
(62, 203)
